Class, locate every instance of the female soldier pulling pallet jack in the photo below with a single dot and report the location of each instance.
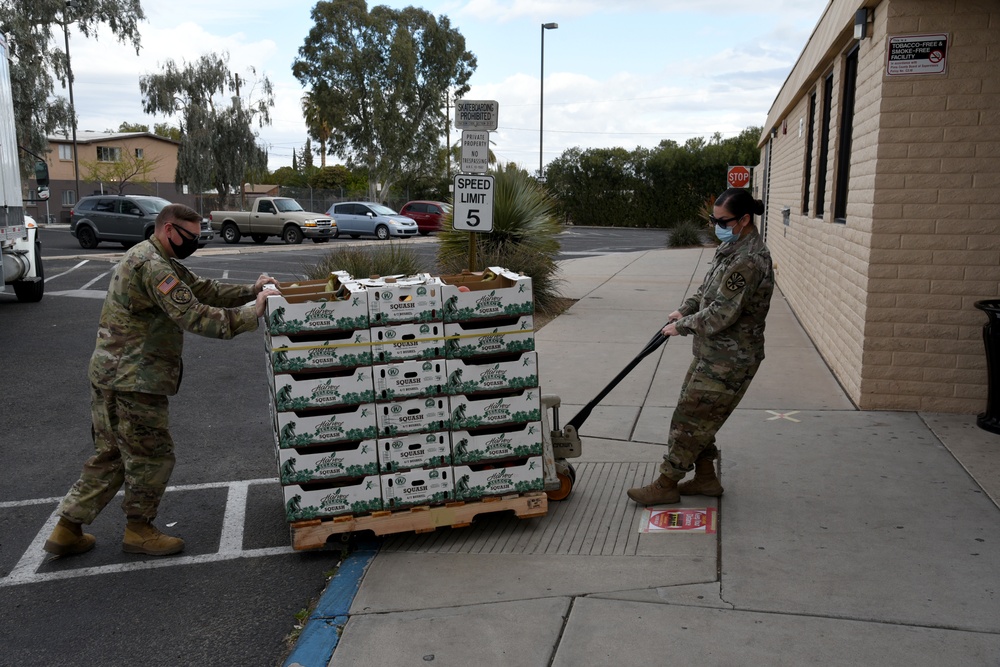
(726, 316)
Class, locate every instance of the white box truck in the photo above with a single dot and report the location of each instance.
(20, 249)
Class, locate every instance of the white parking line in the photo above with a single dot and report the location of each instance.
(230, 543)
(95, 280)
(59, 275)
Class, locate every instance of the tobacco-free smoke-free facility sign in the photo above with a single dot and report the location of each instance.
(916, 54)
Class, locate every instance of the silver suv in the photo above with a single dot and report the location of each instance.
(125, 219)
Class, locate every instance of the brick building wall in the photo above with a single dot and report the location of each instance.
(887, 293)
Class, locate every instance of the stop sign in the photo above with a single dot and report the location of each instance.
(738, 177)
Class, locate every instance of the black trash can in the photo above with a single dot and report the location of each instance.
(990, 420)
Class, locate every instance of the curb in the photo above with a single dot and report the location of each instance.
(319, 638)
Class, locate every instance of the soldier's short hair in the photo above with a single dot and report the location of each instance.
(173, 212)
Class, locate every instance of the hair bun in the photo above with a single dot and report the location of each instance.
(758, 206)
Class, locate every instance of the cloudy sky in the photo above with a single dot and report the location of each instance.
(628, 73)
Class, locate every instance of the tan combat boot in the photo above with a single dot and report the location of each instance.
(704, 482)
(663, 491)
(68, 539)
(144, 538)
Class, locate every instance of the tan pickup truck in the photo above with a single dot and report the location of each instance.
(273, 216)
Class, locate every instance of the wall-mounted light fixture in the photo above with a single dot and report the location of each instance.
(774, 132)
(861, 18)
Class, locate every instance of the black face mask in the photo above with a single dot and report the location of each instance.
(187, 247)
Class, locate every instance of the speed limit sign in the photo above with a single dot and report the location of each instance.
(473, 203)
(738, 177)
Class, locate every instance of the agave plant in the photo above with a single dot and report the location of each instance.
(383, 259)
(524, 236)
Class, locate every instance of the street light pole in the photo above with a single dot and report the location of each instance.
(541, 98)
(72, 107)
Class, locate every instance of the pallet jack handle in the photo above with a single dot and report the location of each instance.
(656, 341)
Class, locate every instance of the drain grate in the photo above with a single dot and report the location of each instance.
(596, 520)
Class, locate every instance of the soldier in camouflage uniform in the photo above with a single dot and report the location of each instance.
(726, 316)
(136, 365)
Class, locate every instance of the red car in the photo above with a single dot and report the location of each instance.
(427, 214)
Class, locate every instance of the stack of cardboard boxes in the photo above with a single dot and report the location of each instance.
(390, 393)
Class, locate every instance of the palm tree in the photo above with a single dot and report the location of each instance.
(316, 123)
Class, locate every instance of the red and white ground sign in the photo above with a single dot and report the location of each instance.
(679, 520)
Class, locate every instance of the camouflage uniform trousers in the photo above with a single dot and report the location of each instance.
(710, 393)
(133, 446)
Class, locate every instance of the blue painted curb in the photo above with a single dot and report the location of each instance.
(319, 638)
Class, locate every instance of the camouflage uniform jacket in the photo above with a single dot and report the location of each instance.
(151, 301)
(726, 314)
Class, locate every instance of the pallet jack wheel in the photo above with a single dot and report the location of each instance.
(567, 476)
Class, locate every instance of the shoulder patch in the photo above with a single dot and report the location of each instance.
(181, 295)
(168, 284)
(734, 282)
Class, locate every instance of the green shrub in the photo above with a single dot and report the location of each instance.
(382, 259)
(524, 237)
(686, 234)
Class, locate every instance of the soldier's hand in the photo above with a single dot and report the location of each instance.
(262, 301)
(670, 330)
(264, 280)
(674, 316)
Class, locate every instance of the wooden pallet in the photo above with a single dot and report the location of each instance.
(313, 534)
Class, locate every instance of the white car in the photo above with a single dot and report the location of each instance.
(355, 218)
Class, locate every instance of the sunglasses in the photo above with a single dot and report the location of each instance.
(185, 234)
(722, 222)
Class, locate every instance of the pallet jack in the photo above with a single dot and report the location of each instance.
(559, 444)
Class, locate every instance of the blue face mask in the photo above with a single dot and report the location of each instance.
(724, 234)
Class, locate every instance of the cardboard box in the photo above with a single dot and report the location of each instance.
(414, 450)
(502, 295)
(478, 338)
(311, 352)
(396, 300)
(345, 460)
(515, 441)
(472, 412)
(404, 379)
(342, 424)
(477, 481)
(416, 415)
(349, 386)
(422, 486)
(298, 310)
(321, 499)
(476, 376)
(402, 342)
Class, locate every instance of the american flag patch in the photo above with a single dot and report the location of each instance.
(168, 284)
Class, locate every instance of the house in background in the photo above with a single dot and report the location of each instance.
(880, 170)
(102, 149)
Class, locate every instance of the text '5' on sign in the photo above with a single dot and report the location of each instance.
(473, 210)
(476, 114)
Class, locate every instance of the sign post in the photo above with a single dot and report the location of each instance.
(738, 177)
(473, 190)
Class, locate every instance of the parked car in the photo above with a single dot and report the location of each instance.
(355, 218)
(273, 216)
(428, 214)
(126, 219)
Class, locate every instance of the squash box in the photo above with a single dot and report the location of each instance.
(422, 486)
(346, 460)
(401, 342)
(470, 412)
(404, 379)
(293, 311)
(395, 300)
(319, 351)
(465, 340)
(477, 481)
(476, 376)
(349, 386)
(414, 450)
(415, 415)
(493, 293)
(319, 499)
(344, 423)
(503, 442)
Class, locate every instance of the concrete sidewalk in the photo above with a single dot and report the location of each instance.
(845, 537)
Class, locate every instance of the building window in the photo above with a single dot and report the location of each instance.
(65, 152)
(810, 137)
(139, 154)
(824, 147)
(68, 197)
(108, 154)
(846, 129)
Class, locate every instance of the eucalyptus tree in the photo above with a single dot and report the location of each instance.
(377, 77)
(32, 29)
(216, 110)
